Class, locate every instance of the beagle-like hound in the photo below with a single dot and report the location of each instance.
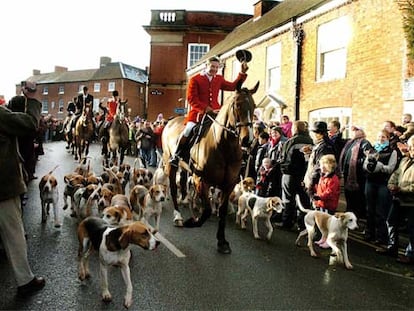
(334, 230)
(152, 205)
(119, 213)
(257, 207)
(113, 244)
(49, 194)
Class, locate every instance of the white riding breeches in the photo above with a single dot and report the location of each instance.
(188, 127)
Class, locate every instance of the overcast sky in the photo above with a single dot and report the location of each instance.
(76, 33)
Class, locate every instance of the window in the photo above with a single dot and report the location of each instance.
(45, 106)
(96, 87)
(341, 114)
(61, 89)
(236, 67)
(332, 49)
(196, 52)
(111, 86)
(273, 67)
(95, 107)
(45, 90)
(61, 106)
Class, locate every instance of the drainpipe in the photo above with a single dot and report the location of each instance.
(298, 35)
(222, 93)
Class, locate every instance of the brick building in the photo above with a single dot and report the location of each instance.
(179, 38)
(59, 87)
(324, 60)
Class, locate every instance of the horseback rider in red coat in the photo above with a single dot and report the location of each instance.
(202, 97)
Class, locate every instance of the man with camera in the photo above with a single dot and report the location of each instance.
(12, 126)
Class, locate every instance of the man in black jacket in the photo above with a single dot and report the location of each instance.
(293, 166)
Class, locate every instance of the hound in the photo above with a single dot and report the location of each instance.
(334, 229)
(257, 207)
(49, 194)
(113, 245)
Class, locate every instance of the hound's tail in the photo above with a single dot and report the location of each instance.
(53, 169)
(301, 207)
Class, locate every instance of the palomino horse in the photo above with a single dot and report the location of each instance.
(215, 160)
(83, 134)
(118, 137)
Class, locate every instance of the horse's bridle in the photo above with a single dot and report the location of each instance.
(236, 129)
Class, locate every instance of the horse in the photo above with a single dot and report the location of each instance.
(68, 130)
(215, 160)
(118, 137)
(84, 130)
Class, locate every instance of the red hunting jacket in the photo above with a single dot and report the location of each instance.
(202, 93)
(328, 189)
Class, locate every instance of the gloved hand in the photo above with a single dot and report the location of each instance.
(244, 67)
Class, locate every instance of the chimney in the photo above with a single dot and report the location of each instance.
(60, 69)
(36, 72)
(263, 6)
(105, 60)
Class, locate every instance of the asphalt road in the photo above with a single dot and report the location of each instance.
(187, 273)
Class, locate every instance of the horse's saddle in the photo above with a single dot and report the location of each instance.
(199, 130)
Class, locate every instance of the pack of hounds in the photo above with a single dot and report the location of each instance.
(110, 219)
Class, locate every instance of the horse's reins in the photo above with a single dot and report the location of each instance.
(238, 124)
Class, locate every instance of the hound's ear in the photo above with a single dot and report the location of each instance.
(118, 216)
(125, 238)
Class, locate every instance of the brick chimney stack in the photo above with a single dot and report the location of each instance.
(60, 69)
(105, 60)
(263, 6)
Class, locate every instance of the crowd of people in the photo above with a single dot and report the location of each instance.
(296, 159)
(287, 159)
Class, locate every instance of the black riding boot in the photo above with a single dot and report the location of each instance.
(181, 148)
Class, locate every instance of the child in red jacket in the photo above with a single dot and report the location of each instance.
(328, 189)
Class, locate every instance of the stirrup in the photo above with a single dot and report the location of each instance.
(174, 161)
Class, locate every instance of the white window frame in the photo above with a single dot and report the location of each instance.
(97, 87)
(235, 67)
(111, 86)
(61, 89)
(45, 90)
(341, 114)
(61, 105)
(95, 107)
(333, 39)
(45, 106)
(194, 56)
(274, 67)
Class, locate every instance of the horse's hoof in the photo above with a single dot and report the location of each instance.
(224, 248)
(192, 223)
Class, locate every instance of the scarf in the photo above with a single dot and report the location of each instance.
(379, 147)
(351, 182)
